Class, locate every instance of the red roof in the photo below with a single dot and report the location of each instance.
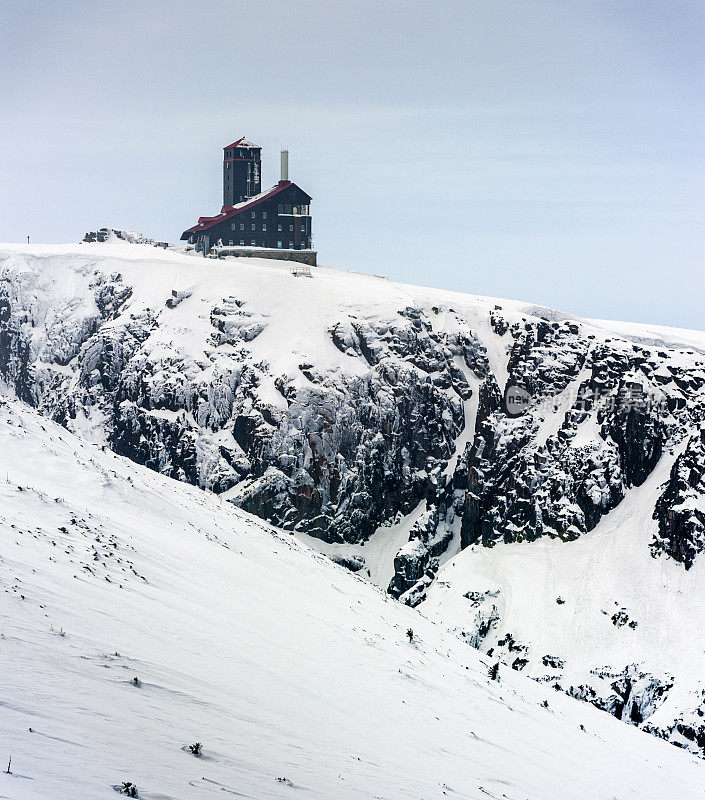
(240, 143)
(228, 212)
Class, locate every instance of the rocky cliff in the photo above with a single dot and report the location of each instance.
(340, 405)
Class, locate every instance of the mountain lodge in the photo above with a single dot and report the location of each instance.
(275, 223)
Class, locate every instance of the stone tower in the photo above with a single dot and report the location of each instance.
(241, 172)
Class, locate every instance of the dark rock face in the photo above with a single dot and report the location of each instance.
(417, 562)
(352, 453)
(353, 563)
(335, 453)
(522, 484)
(418, 425)
(680, 510)
(634, 695)
(638, 432)
(553, 661)
(545, 357)
(14, 348)
(334, 456)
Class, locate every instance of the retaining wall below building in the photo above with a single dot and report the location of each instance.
(302, 256)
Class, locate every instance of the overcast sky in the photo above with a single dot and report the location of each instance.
(550, 151)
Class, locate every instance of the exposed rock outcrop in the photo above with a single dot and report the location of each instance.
(391, 406)
(680, 510)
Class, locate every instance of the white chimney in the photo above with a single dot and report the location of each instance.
(285, 165)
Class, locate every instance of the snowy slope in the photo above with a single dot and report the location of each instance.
(366, 417)
(283, 665)
(580, 613)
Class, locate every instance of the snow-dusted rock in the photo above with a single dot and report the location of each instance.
(680, 510)
(140, 616)
(369, 416)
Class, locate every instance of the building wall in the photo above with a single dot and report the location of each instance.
(236, 163)
(301, 256)
(260, 226)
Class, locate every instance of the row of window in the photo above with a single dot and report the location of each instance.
(283, 209)
(253, 214)
(253, 227)
(287, 208)
(240, 154)
(253, 243)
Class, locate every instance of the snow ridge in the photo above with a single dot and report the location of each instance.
(367, 417)
(140, 616)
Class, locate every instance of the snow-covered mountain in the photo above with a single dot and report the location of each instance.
(367, 417)
(140, 616)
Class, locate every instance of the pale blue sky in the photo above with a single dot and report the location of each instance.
(550, 151)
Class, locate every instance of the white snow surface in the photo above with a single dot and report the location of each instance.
(277, 295)
(298, 669)
(558, 598)
(282, 664)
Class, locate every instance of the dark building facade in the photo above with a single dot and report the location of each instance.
(276, 219)
(242, 164)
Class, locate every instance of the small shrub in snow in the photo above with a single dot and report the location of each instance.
(136, 682)
(128, 789)
(410, 634)
(196, 749)
(493, 672)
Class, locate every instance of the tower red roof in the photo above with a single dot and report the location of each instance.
(240, 143)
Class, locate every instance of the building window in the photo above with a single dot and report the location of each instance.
(232, 226)
(279, 244)
(253, 243)
(253, 214)
(264, 226)
(253, 226)
(291, 245)
(291, 228)
(230, 243)
(242, 242)
(264, 244)
(264, 215)
(242, 226)
(279, 227)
